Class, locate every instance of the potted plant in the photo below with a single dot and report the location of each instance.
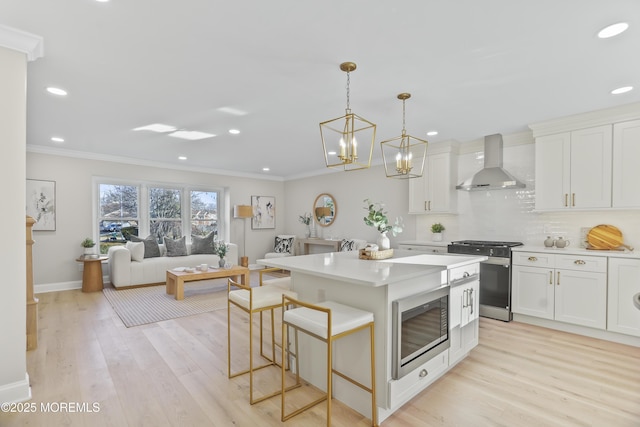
(437, 230)
(220, 248)
(88, 245)
(377, 218)
(306, 220)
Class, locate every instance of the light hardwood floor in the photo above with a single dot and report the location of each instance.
(174, 373)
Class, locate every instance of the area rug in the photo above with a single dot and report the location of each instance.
(140, 306)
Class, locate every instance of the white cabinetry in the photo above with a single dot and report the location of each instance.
(434, 192)
(438, 249)
(573, 169)
(463, 314)
(626, 173)
(624, 283)
(567, 288)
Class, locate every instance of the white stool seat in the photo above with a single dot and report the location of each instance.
(343, 318)
(263, 296)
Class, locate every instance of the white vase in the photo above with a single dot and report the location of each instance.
(88, 251)
(312, 231)
(437, 237)
(383, 242)
(307, 232)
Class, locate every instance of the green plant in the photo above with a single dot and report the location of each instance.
(377, 218)
(437, 228)
(87, 243)
(305, 219)
(220, 248)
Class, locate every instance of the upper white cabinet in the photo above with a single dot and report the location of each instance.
(626, 173)
(435, 192)
(573, 169)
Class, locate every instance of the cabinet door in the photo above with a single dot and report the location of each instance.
(626, 173)
(474, 303)
(624, 283)
(532, 291)
(418, 195)
(456, 301)
(553, 171)
(581, 298)
(591, 153)
(432, 192)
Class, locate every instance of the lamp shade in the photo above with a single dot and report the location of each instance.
(242, 211)
(321, 212)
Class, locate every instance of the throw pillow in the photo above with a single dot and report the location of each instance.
(176, 247)
(202, 245)
(347, 245)
(283, 245)
(151, 248)
(136, 249)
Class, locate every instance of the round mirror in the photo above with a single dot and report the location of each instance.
(325, 209)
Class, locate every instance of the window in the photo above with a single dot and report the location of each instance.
(165, 213)
(118, 216)
(143, 209)
(204, 213)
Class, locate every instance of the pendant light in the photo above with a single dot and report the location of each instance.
(404, 156)
(341, 136)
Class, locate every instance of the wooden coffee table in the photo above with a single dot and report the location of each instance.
(176, 279)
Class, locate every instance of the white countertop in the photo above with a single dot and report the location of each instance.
(346, 266)
(578, 251)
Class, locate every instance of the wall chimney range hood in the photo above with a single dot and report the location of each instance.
(492, 176)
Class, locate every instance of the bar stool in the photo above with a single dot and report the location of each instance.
(327, 321)
(280, 282)
(253, 300)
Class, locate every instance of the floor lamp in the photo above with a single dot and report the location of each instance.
(243, 212)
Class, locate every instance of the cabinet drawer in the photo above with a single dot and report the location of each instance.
(533, 259)
(408, 386)
(458, 273)
(596, 264)
(424, 248)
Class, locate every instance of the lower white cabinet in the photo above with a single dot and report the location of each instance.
(624, 282)
(463, 314)
(566, 288)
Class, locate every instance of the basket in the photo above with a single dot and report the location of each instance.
(387, 253)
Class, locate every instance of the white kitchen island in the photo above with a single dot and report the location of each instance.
(373, 285)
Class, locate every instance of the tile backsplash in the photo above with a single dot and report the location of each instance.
(509, 215)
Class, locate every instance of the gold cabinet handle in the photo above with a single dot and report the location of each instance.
(579, 262)
(566, 200)
(532, 258)
(573, 199)
(558, 281)
(425, 205)
(551, 277)
(429, 204)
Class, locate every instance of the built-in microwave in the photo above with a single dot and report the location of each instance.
(420, 329)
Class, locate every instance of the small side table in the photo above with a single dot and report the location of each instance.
(92, 273)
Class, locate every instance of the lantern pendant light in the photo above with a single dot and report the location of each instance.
(404, 156)
(341, 136)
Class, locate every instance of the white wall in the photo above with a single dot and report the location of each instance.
(54, 252)
(14, 383)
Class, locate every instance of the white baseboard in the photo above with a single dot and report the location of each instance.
(19, 391)
(61, 286)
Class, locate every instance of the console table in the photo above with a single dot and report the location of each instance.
(304, 243)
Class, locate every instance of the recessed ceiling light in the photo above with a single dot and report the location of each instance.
(182, 158)
(191, 135)
(102, 1)
(620, 90)
(234, 131)
(232, 111)
(157, 127)
(57, 91)
(613, 30)
(265, 169)
(57, 139)
(432, 133)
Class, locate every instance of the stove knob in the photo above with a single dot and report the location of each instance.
(490, 252)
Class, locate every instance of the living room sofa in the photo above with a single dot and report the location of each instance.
(125, 271)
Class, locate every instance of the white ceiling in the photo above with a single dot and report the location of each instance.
(473, 67)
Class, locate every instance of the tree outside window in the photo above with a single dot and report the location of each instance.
(165, 213)
(204, 213)
(118, 216)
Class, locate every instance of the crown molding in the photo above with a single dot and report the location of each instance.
(607, 116)
(28, 43)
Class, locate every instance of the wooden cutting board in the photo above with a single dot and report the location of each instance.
(605, 237)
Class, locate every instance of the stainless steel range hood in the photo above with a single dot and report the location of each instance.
(492, 176)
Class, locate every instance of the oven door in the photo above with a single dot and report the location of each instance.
(495, 288)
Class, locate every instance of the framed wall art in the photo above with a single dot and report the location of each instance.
(41, 204)
(264, 212)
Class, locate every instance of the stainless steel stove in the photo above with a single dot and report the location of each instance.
(495, 274)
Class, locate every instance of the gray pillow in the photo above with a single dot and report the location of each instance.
(202, 245)
(151, 248)
(176, 247)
